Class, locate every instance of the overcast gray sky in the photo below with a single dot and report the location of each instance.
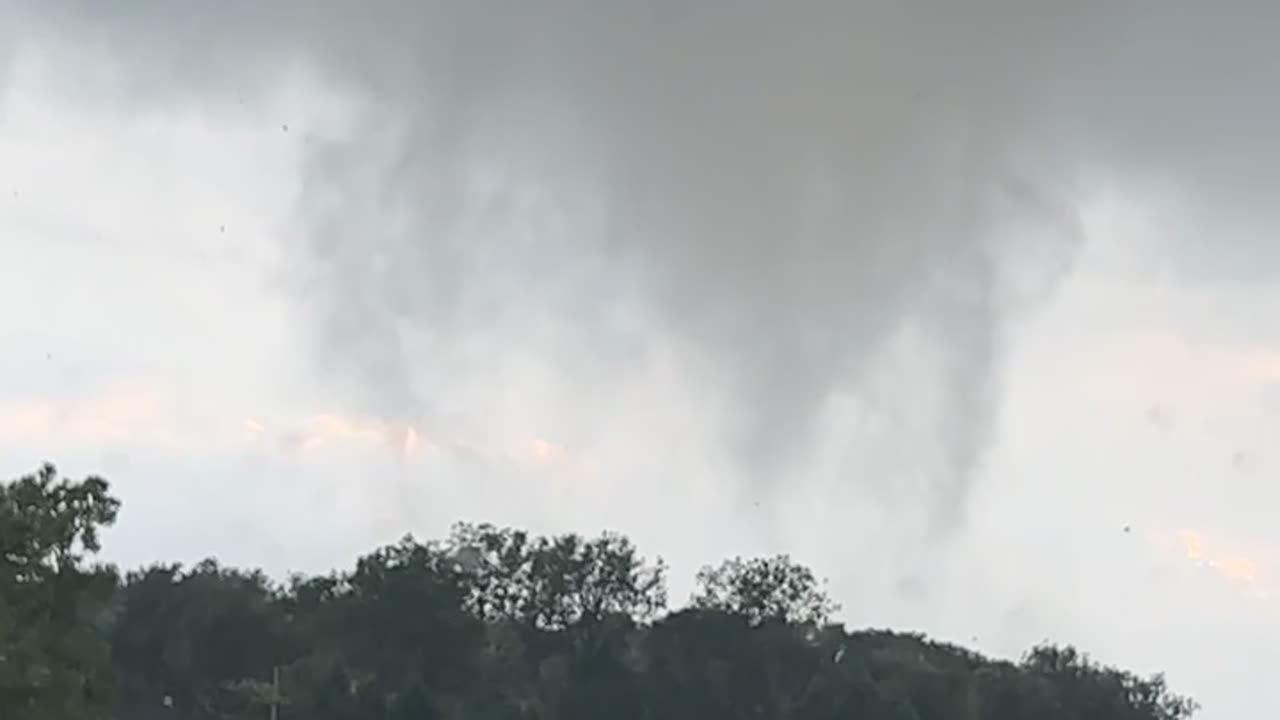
(937, 297)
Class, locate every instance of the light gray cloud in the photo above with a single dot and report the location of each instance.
(784, 190)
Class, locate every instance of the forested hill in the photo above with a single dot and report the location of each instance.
(488, 624)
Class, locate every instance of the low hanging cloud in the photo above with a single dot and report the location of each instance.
(848, 200)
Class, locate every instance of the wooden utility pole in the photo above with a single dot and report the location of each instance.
(275, 692)
(259, 693)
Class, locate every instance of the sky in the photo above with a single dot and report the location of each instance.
(969, 308)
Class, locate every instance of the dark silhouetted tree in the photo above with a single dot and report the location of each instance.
(488, 624)
(764, 589)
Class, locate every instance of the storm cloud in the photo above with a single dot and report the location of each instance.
(832, 203)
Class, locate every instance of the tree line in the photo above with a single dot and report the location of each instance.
(489, 623)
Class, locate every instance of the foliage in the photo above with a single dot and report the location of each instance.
(488, 624)
(553, 583)
(53, 656)
(764, 589)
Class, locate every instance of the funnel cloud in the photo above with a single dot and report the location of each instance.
(833, 200)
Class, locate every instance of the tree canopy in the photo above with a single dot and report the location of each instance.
(487, 624)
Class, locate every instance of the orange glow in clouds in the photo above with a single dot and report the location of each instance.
(1235, 566)
(140, 417)
(125, 414)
